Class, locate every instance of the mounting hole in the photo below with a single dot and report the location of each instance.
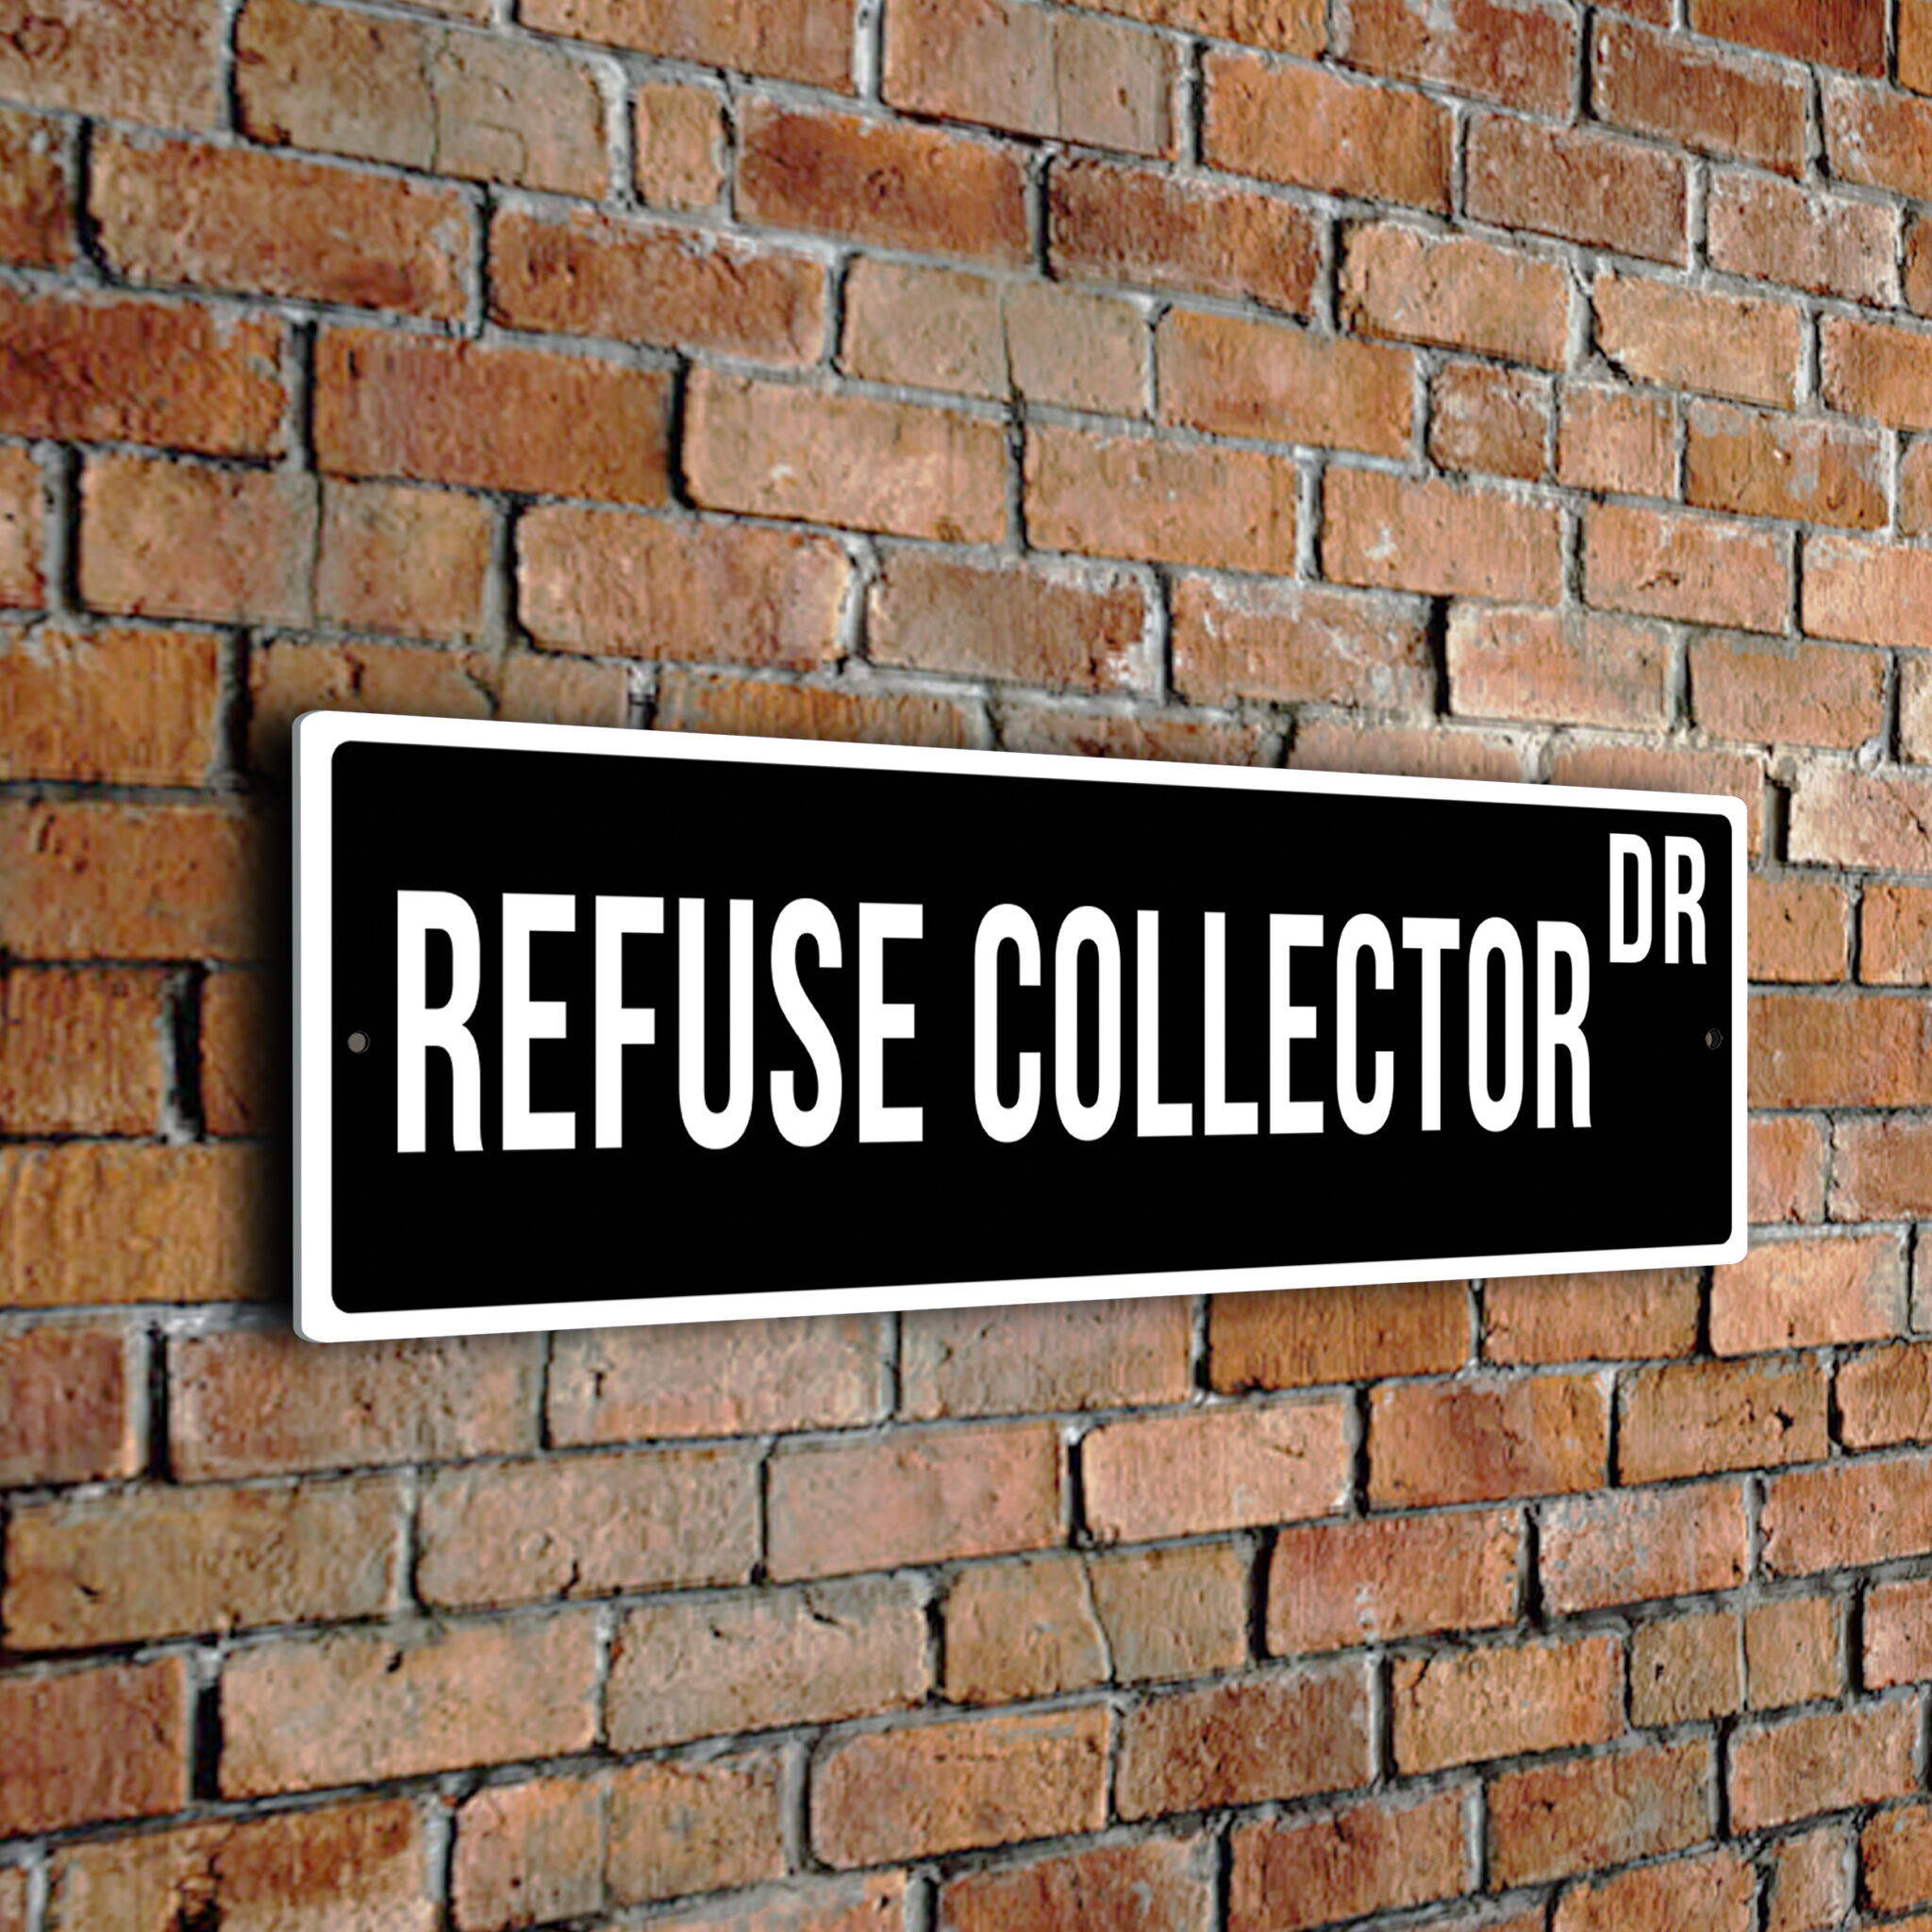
(1714, 1039)
(358, 1042)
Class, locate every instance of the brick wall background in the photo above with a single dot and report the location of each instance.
(1497, 387)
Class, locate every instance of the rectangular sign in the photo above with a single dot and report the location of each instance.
(603, 1026)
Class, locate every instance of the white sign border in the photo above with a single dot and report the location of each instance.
(317, 736)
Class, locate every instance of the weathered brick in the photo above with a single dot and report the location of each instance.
(1896, 1646)
(1852, 1513)
(1763, 465)
(1807, 1051)
(158, 62)
(680, 144)
(1247, 1740)
(1777, 691)
(976, 1781)
(1520, 56)
(1692, 1418)
(1134, 225)
(904, 187)
(1740, 346)
(1845, 33)
(286, 679)
(1915, 463)
(1574, 1318)
(1715, 1893)
(1867, 369)
(1866, 591)
(1845, 817)
(1617, 441)
(1462, 1706)
(1578, 183)
(1876, 136)
(1797, 930)
(1896, 1856)
(1568, 667)
(1895, 934)
(1774, 231)
(1813, 1290)
(538, 690)
(1334, 1585)
(166, 1562)
(1810, 1881)
(262, 1404)
(1329, 745)
(35, 195)
(1798, 1766)
(1476, 1442)
(1311, 128)
(1787, 1170)
(1686, 1669)
(80, 1051)
(22, 578)
(394, 558)
(441, 412)
(1493, 422)
(1043, 1356)
(1454, 290)
(874, 1904)
(1792, 1651)
(74, 1406)
(808, 41)
(591, 275)
(531, 1852)
(1885, 1395)
(1701, 99)
(301, 1713)
(1389, 532)
(1623, 1548)
(1172, 1612)
(1087, 735)
(87, 1744)
(1180, 502)
(1549, 1822)
(1914, 46)
(679, 1827)
(1284, 26)
(1161, 1885)
(1301, 1337)
(1881, 1169)
(1699, 570)
(688, 703)
(419, 95)
(1023, 1629)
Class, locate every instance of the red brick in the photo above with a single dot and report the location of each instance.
(286, 679)
(1387, 532)
(1811, 1882)
(1685, 339)
(968, 1493)
(1332, 1586)
(394, 558)
(1881, 1170)
(35, 195)
(1577, 183)
(1520, 56)
(301, 1713)
(21, 513)
(167, 1562)
(390, 405)
(1692, 1418)
(1895, 934)
(1867, 369)
(1895, 1855)
(1686, 1669)
(1458, 1708)
(875, 1903)
(1569, 667)
(1612, 440)
(1284, 26)
(1454, 290)
(1792, 1651)
(1776, 232)
(1801, 1765)
(262, 1404)
(1550, 1822)
(1043, 1356)
(1701, 99)
(1915, 460)
(1301, 1337)
(1024, 1629)
(904, 187)
(1801, 1293)
(537, 690)
(75, 1405)
(1811, 1052)
(1495, 422)
(1698, 570)
(80, 1051)
(1247, 1740)
(1885, 1395)
(1787, 1170)
(1851, 1513)
(694, 1826)
(1715, 1893)
(1797, 931)
(226, 218)
(977, 1781)
(1785, 466)
(1845, 817)
(419, 95)
(1073, 734)
(1877, 137)
(681, 144)
(246, 1032)
(689, 703)
(1840, 33)
(1476, 1441)
(1137, 225)
(1777, 691)
(588, 275)
(1623, 1548)
(1896, 1651)
(1158, 1885)
(88, 1744)
(1172, 1612)
(1325, 744)
(530, 1851)
(1139, 497)
(1064, 76)
(1289, 1873)
(808, 40)
(588, 1525)
(1914, 46)
(1866, 591)
(1223, 1469)
(158, 62)
(1311, 128)
(1618, 1317)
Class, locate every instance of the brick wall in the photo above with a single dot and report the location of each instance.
(1499, 388)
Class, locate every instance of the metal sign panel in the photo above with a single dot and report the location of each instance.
(600, 1026)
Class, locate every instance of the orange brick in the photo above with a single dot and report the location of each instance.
(1895, 934)
(1387, 532)
(1139, 497)
(1064, 76)
(1577, 183)
(1848, 34)
(156, 64)
(1137, 225)
(80, 1051)
(1775, 692)
(301, 1713)
(1575, 1318)
(1809, 1290)
(1797, 930)
(1715, 1893)
(1896, 1856)
(1289, 1873)
(1810, 1881)
(87, 1744)
(1811, 1052)
(1867, 369)
(562, 690)
(808, 40)
(1701, 99)
(1172, 1612)
(1568, 667)
(419, 95)
(35, 195)
(1596, 1811)
(1332, 1586)
(874, 1903)
(1792, 1651)
(1699, 570)
(1023, 1630)
(167, 1562)
(1476, 1442)
(1284, 643)
(1866, 591)
(1325, 744)
(394, 558)
(1876, 136)
(20, 514)
(1072, 734)
(1843, 817)
(1624, 1548)
(1454, 290)
(226, 218)
(680, 1828)
(75, 1405)
(1612, 440)
(528, 1851)
(438, 411)
(1685, 339)
(1776, 232)
(1881, 1170)
(1087, 351)
(588, 275)
(1686, 1669)
(1798, 1766)
(1787, 1178)
(1915, 461)
(1301, 1337)
(1247, 1740)
(240, 1406)
(1848, 1514)
(1692, 1418)
(679, 143)
(1311, 128)
(1522, 56)
(687, 703)
(1044, 1357)
(1161, 1884)
(1785, 466)
(904, 187)
(1462, 1706)
(1885, 1395)
(1224, 1468)
(1495, 421)
(1896, 1652)
(1914, 46)
(286, 679)
(943, 1787)
(1284, 26)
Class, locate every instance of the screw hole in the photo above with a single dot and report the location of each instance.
(358, 1042)
(1714, 1039)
